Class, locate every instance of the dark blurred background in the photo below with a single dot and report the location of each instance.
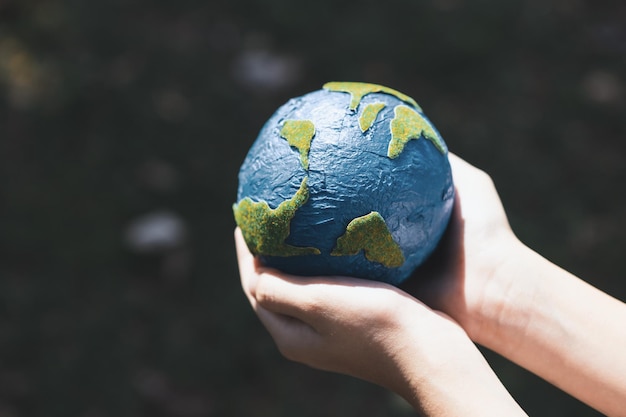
(122, 128)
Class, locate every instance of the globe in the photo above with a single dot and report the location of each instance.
(350, 180)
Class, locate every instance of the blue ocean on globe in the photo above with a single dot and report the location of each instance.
(351, 180)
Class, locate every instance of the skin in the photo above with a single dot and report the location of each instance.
(482, 286)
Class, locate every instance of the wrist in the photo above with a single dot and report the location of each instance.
(453, 378)
(499, 320)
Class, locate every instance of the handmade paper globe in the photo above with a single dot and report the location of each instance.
(350, 180)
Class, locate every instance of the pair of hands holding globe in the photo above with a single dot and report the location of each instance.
(380, 333)
(482, 285)
(324, 160)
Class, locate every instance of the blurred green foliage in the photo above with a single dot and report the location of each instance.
(122, 127)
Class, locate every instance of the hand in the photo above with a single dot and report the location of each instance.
(504, 295)
(375, 332)
(518, 304)
(346, 325)
(462, 277)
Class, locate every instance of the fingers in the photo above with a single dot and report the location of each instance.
(251, 273)
(247, 267)
(271, 298)
(466, 174)
(476, 191)
(276, 292)
(294, 338)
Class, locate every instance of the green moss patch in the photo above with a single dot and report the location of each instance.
(370, 234)
(265, 229)
(368, 117)
(408, 124)
(299, 134)
(359, 90)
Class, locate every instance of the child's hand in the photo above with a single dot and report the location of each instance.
(375, 332)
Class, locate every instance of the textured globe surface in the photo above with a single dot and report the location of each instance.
(351, 179)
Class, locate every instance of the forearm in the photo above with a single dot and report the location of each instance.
(562, 329)
(454, 379)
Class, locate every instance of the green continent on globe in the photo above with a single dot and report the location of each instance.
(299, 134)
(359, 90)
(368, 117)
(370, 234)
(407, 125)
(265, 229)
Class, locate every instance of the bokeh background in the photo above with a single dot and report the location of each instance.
(122, 127)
